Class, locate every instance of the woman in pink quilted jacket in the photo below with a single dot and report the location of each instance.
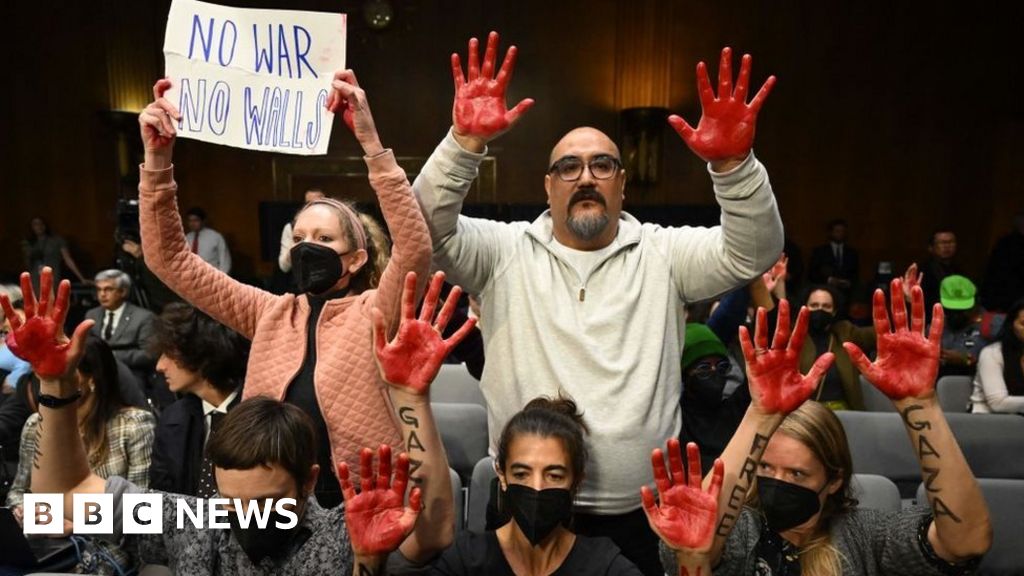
(313, 349)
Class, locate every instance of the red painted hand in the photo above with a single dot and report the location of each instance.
(907, 361)
(911, 278)
(157, 120)
(40, 339)
(776, 274)
(480, 110)
(377, 519)
(685, 517)
(348, 97)
(726, 127)
(411, 361)
(776, 386)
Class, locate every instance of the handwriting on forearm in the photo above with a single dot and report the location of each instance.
(407, 415)
(743, 483)
(930, 461)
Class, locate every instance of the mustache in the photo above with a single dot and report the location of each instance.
(587, 194)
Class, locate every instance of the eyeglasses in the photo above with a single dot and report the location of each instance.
(707, 369)
(570, 168)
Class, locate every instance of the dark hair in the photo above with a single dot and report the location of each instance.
(31, 237)
(939, 230)
(823, 288)
(197, 212)
(835, 222)
(202, 345)
(1013, 348)
(98, 363)
(549, 418)
(262, 432)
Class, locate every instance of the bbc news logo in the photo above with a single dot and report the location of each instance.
(144, 513)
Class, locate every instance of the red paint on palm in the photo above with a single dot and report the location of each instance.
(776, 385)
(377, 519)
(726, 127)
(412, 359)
(907, 361)
(480, 109)
(685, 516)
(40, 339)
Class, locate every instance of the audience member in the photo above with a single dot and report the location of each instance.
(335, 266)
(1004, 277)
(792, 458)
(204, 362)
(125, 327)
(266, 447)
(962, 338)
(12, 368)
(999, 382)
(44, 248)
(711, 412)
(284, 256)
(586, 297)
(116, 437)
(205, 241)
(941, 262)
(840, 388)
(835, 263)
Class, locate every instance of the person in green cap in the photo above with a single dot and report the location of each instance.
(968, 328)
(710, 414)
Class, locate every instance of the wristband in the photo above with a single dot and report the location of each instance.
(55, 402)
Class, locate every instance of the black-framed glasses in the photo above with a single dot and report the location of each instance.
(570, 168)
(705, 370)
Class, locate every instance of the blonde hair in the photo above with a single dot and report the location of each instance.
(818, 428)
(361, 231)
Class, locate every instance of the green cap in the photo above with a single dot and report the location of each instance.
(957, 292)
(700, 343)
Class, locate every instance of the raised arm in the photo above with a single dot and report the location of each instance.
(409, 363)
(230, 302)
(905, 371)
(59, 463)
(410, 251)
(709, 262)
(684, 517)
(468, 248)
(776, 389)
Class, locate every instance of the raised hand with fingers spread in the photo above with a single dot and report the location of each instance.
(907, 361)
(725, 132)
(377, 518)
(40, 339)
(776, 385)
(684, 518)
(412, 359)
(480, 113)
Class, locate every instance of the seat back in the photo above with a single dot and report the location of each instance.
(992, 443)
(954, 393)
(480, 494)
(876, 492)
(879, 445)
(463, 429)
(1005, 500)
(454, 384)
(874, 400)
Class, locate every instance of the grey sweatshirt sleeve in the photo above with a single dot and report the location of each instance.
(707, 262)
(467, 249)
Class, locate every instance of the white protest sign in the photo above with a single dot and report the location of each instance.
(255, 79)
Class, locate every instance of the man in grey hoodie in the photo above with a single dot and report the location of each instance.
(586, 299)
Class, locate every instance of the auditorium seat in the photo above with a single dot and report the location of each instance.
(479, 494)
(1006, 509)
(454, 384)
(463, 429)
(874, 400)
(458, 500)
(876, 492)
(954, 393)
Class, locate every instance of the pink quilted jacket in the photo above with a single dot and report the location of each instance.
(352, 396)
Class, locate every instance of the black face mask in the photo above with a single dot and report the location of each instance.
(260, 543)
(820, 321)
(538, 512)
(315, 268)
(705, 392)
(786, 505)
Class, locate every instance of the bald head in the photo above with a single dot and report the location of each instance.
(583, 137)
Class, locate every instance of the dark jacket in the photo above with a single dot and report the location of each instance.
(178, 446)
(842, 331)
